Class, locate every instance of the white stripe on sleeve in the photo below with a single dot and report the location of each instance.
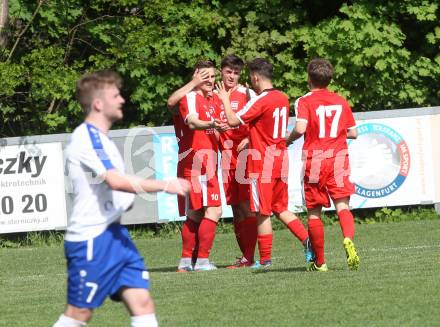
(191, 99)
(248, 105)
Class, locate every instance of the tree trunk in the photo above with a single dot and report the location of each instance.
(4, 13)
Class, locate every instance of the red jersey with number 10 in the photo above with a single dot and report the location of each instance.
(196, 141)
(267, 116)
(328, 116)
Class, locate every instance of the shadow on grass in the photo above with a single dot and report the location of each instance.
(255, 271)
(223, 267)
(163, 269)
(285, 269)
(293, 270)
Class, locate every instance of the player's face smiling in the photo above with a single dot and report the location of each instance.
(230, 77)
(208, 85)
(112, 101)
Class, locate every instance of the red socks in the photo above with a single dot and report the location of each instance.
(189, 237)
(248, 237)
(316, 234)
(298, 229)
(206, 237)
(346, 221)
(265, 247)
(239, 232)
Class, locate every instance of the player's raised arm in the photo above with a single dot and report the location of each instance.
(199, 76)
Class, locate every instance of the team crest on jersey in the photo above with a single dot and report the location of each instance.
(234, 105)
(380, 160)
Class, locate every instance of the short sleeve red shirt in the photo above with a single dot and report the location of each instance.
(267, 116)
(230, 139)
(328, 116)
(192, 141)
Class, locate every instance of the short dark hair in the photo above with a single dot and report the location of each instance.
(262, 67)
(232, 61)
(89, 84)
(320, 72)
(204, 64)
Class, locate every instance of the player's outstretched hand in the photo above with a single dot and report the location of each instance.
(178, 186)
(222, 93)
(200, 76)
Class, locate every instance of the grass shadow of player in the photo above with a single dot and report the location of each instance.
(162, 269)
(282, 270)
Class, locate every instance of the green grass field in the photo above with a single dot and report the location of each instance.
(398, 283)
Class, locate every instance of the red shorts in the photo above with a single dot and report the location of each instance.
(203, 193)
(269, 197)
(328, 180)
(236, 191)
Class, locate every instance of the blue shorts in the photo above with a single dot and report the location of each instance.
(99, 267)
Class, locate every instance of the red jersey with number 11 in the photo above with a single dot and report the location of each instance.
(267, 116)
(328, 117)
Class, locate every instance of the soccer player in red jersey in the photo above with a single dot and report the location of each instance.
(326, 121)
(231, 142)
(198, 148)
(267, 116)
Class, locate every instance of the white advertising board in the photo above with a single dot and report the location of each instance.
(391, 161)
(395, 162)
(32, 195)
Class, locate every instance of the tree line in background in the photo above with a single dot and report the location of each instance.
(385, 53)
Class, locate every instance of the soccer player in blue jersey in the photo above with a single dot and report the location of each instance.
(101, 258)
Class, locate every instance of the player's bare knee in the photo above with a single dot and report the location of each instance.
(262, 219)
(213, 213)
(142, 306)
(286, 216)
(341, 204)
(80, 314)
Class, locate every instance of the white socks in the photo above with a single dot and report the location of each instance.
(64, 321)
(148, 320)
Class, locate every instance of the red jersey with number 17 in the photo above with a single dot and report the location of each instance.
(328, 117)
(267, 116)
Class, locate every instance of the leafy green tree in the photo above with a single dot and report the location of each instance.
(385, 56)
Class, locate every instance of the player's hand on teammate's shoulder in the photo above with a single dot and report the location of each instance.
(178, 186)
